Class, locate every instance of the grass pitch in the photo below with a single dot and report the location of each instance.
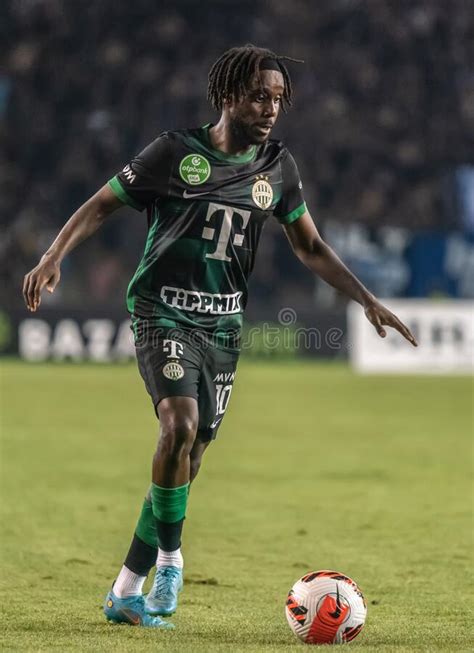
(314, 468)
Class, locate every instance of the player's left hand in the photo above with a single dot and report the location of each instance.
(380, 316)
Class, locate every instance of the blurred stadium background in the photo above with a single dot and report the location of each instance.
(382, 130)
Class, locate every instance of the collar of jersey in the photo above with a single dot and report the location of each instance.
(229, 158)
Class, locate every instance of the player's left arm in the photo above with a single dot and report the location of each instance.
(318, 256)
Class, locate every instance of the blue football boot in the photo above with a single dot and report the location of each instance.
(131, 610)
(163, 596)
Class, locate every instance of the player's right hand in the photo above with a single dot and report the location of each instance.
(46, 273)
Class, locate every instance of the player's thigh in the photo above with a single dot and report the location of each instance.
(169, 363)
(215, 389)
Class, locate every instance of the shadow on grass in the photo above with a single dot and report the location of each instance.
(205, 581)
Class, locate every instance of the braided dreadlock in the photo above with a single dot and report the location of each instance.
(230, 75)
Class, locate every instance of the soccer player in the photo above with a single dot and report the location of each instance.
(207, 193)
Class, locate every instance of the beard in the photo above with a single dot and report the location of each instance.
(246, 134)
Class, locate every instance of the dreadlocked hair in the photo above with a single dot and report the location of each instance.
(230, 75)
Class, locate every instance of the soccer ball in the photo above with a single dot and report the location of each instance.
(325, 607)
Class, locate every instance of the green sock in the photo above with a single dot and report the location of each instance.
(143, 551)
(169, 510)
(169, 503)
(146, 525)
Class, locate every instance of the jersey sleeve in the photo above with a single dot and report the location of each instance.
(291, 205)
(146, 176)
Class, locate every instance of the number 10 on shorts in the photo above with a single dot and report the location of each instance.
(222, 397)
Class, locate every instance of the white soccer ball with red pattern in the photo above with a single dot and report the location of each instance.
(325, 607)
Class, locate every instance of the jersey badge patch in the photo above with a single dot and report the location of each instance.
(173, 371)
(262, 192)
(194, 169)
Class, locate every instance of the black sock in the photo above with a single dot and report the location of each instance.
(141, 557)
(169, 535)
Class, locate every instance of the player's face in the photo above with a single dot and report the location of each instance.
(252, 117)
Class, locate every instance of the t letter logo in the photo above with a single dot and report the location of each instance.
(208, 233)
(174, 348)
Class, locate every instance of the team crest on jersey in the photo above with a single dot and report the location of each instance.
(194, 169)
(262, 192)
(173, 371)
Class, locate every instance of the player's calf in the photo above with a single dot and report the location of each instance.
(169, 495)
(179, 424)
(195, 458)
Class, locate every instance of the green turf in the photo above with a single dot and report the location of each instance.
(314, 468)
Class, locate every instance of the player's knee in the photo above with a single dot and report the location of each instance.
(177, 436)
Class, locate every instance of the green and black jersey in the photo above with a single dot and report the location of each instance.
(206, 211)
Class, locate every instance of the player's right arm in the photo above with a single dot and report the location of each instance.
(82, 224)
(139, 183)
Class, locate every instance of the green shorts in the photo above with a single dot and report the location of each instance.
(177, 362)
